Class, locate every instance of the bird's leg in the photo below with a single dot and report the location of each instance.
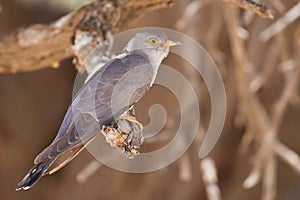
(125, 133)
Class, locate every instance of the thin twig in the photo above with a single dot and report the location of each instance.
(270, 178)
(268, 68)
(258, 120)
(287, 155)
(185, 168)
(210, 179)
(281, 23)
(254, 176)
(88, 171)
(253, 6)
(290, 88)
(256, 115)
(189, 13)
(212, 39)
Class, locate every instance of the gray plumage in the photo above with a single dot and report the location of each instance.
(111, 91)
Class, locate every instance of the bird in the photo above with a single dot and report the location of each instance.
(133, 72)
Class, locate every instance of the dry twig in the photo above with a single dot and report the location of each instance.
(255, 113)
(287, 155)
(281, 23)
(88, 171)
(253, 6)
(210, 179)
(268, 68)
(189, 13)
(185, 168)
(258, 120)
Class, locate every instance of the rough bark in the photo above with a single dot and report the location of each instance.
(40, 46)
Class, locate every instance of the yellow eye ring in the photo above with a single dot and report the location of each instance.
(153, 41)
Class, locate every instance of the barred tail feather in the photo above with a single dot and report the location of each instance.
(33, 175)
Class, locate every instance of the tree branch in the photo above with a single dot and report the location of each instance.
(40, 46)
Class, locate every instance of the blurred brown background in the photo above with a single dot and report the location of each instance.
(32, 106)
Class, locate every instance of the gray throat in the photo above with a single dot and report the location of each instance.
(155, 57)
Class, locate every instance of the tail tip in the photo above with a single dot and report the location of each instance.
(33, 176)
(18, 188)
(24, 184)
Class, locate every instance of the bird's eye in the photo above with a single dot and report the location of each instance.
(153, 41)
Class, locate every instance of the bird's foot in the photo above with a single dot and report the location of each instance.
(125, 134)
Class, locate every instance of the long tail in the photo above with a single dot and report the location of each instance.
(33, 175)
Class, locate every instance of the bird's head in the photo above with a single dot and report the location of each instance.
(152, 42)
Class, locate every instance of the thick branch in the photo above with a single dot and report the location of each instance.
(40, 46)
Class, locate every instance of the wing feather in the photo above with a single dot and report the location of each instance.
(92, 106)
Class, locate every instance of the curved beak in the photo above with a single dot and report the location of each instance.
(170, 43)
